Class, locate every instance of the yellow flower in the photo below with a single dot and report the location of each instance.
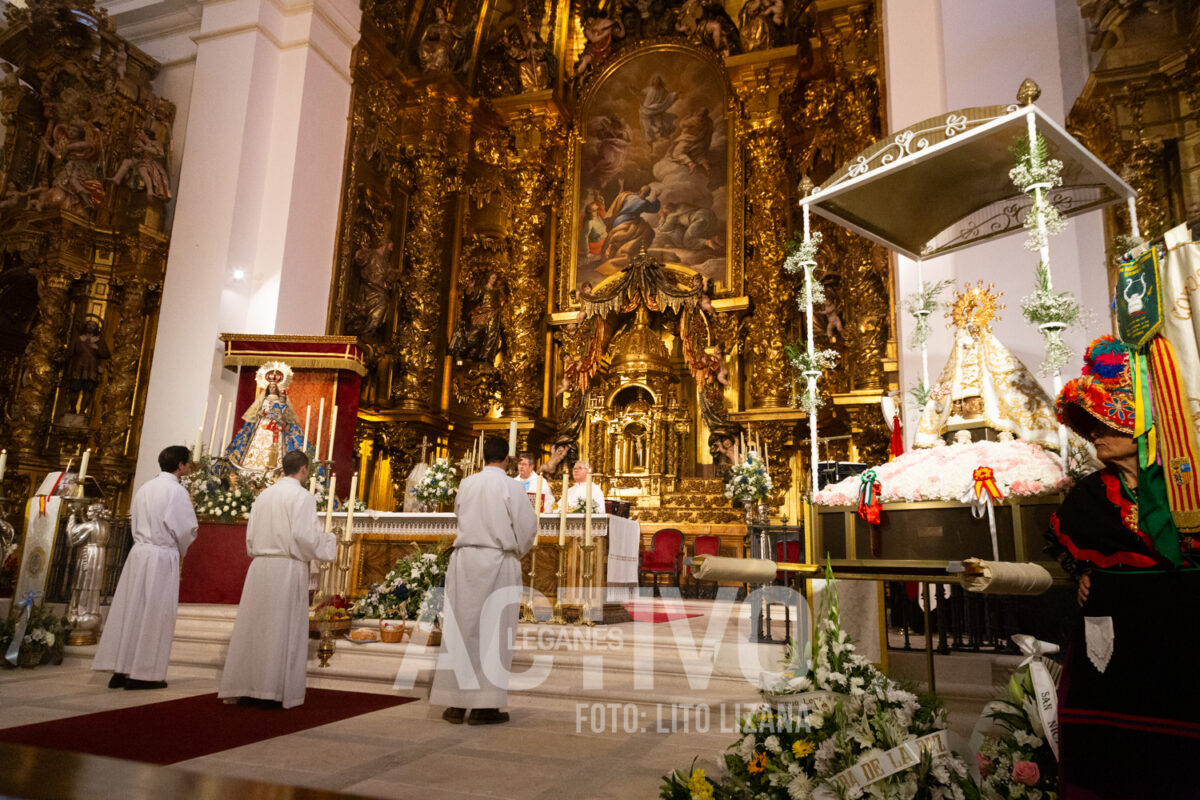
(802, 748)
(758, 763)
(699, 786)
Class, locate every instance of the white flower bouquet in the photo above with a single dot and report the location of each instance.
(749, 481)
(439, 485)
(411, 590)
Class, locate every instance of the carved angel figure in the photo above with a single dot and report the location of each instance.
(762, 24)
(77, 148)
(149, 161)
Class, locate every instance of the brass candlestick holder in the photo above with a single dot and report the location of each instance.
(528, 613)
(560, 576)
(585, 607)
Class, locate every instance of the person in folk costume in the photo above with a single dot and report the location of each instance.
(269, 645)
(527, 476)
(1129, 711)
(136, 643)
(577, 491)
(496, 527)
(271, 427)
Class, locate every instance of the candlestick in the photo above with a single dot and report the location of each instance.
(587, 513)
(320, 423)
(83, 465)
(332, 433)
(512, 438)
(329, 503)
(307, 419)
(3, 462)
(562, 511)
(212, 437)
(350, 505)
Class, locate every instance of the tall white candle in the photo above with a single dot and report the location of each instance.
(212, 437)
(512, 438)
(312, 483)
(350, 506)
(83, 465)
(203, 419)
(562, 510)
(3, 463)
(587, 511)
(332, 432)
(537, 507)
(320, 423)
(228, 424)
(329, 503)
(307, 420)
(766, 456)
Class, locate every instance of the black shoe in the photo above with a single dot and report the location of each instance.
(487, 716)
(117, 681)
(454, 716)
(134, 684)
(258, 702)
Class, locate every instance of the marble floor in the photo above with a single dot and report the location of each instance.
(551, 748)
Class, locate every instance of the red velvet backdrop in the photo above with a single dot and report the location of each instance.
(215, 566)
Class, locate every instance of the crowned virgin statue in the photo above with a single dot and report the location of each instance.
(271, 427)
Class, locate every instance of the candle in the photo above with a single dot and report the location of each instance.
(512, 438)
(329, 504)
(766, 456)
(537, 506)
(332, 432)
(228, 424)
(83, 465)
(312, 483)
(203, 418)
(562, 511)
(197, 446)
(3, 462)
(479, 459)
(350, 505)
(212, 437)
(741, 447)
(307, 420)
(587, 511)
(320, 423)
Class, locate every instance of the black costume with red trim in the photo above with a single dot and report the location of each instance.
(1133, 730)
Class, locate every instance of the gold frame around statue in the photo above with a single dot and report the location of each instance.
(591, 101)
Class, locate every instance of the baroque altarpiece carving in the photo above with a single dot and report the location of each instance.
(84, 168)
(575, 215)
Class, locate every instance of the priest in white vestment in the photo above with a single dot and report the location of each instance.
(496, 527)
(268, 651)
(579, 489)
(136, 642)
(533, 483)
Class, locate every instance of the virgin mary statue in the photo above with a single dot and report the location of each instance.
(271, 428)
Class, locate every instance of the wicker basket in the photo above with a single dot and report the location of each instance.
(391, 630)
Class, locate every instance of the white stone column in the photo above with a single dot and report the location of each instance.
(256, 209)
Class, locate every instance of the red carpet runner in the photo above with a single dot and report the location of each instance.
(177, 730)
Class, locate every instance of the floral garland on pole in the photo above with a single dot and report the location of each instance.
(921, 304)
(811, 365)
(1052, 312)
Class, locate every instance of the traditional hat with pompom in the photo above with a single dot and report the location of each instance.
(1103, 393)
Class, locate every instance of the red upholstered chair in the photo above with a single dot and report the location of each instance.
(790, 556)
(665, 556)
(705, 545)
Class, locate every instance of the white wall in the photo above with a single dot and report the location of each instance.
(962, 53)
(255, 217)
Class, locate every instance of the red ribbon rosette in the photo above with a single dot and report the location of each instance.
(869, 490)
(985, 481)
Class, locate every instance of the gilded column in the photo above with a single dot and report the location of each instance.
(437, 122)
(119, 390)
(534, 123)
(39, 374)
(759, 79)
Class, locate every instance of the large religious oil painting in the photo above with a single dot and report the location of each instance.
(653, 169)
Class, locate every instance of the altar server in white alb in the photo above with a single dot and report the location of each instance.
(136, 643)
(496, 527)
(578, 490)
(268, 650)
(529, 479)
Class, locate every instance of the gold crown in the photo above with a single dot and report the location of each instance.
(976, 305)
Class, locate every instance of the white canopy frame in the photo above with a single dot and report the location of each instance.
(942, 185)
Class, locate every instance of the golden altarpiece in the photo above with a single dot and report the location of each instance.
(83, 243)
(575, 215)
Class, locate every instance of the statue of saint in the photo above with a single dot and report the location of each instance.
(91, 539)
(86, 353)
(477, 337)
(271, 428)
(439, 45)
(379, 278)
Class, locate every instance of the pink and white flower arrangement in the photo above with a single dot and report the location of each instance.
(944, 474)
